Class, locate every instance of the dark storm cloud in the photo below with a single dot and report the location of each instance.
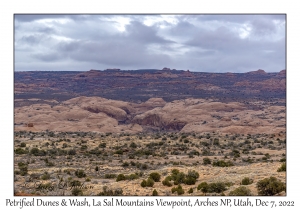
(48, 57)
(218, 43)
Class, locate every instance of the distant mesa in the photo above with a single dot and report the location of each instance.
(113, 69)
(166, 69)
(282, 72)
(259, 71)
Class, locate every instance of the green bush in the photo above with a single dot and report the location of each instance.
(282, 167)
(20, 151)
(206, 161)
(167, 182)
(154, 193)
(110, 192)
(121, 177)
(110, 176)
(77, 192)
(246, 181)
(23, 168)
(178, 189)
(102, 145)
(217, 187)
(80, 173)
(155, 176)
(147, 183)
(125, 164)
(175, 171)
(45, 176)
(270, 186)
(201, 185)
(133, 145)
(23, 144)
(178, 178)
(71, 152)
(222, 163)
(75, 183)
(240, 191)
(189, 180)
(36, 152)
(190, 190)
(194, 174)
(131, 177)
(144, 183)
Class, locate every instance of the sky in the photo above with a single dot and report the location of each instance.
(200, 43)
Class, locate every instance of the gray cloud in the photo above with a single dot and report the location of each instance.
(218, 43)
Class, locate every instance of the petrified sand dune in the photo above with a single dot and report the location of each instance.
(190, 115)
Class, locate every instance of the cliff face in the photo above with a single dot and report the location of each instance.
(140, 85)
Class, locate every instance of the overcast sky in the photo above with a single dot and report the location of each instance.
(206, 43)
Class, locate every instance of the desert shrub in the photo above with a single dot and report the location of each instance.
(282, 160)
(235, 153)
(190, 190)
(36, 152)
(120, 177)
(83, 147)
(178, 178)
(201, 185)
(96, 168)
(189, 180)
(246, 181)
(125, 164)
(80, 173)
(102, 145)
(133, 145)
(49, 164)
(206, 161)
(147, 183)
(216, 142)
(45, 176)
(175, 171)
(23, 144)
(240, 191)
(222, 163)
(217, 187)
(75, 183)
(155, 176)
(23, 168)
(110, 176)
(194, 174)
(110, 192)
(144, 166)
(43, 186)
(178, 189)
(154, 193)
(186, 141)
(166, 182)
(270, 186)
(119, 152)
(282, 167)
(95, 151)
(150, 182)
(131, 177)
(71, 152)
(144, 183)
(77, 192)
(20, 151)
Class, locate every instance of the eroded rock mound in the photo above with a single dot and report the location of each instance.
(190, 115)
